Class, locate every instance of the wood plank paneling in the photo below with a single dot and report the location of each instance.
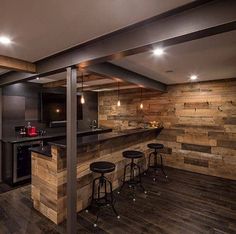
(199, 122)
(199, 148)
(196, 162)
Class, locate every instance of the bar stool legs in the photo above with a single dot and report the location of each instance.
(133, 181)
(102, 195)
(102, 192)
(155, 164)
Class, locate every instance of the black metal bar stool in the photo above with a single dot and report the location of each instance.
(133, 181)
(102, 193)
(156, 147)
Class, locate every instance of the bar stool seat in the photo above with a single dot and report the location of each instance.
(102, 167)
(102, 192)
(132, 154)
(155, 146)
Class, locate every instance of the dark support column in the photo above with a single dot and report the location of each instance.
(71, 152)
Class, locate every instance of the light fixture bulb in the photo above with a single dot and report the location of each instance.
(82, 100)
(37, 78)
(58, 110)
(158, 51)
(118, 103)
(5, 40)
(141, 105)
(193, 77)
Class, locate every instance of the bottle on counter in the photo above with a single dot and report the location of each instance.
(22, 132)
(28, 125)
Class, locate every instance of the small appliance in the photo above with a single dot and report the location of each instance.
(31, 131)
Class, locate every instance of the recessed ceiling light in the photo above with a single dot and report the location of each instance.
(193, 77)
(158, 51)
(5, 40)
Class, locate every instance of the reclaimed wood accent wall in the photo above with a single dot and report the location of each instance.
(199, 123)
(48, 187)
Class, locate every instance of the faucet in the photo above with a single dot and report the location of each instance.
(93, 124)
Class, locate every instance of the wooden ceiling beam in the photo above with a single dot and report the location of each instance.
(55, 84)
(16, 64)
(112, 86)
(87, 78)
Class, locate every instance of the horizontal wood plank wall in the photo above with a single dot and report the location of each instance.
(199, 121)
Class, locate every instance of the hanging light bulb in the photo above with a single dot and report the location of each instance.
(82, 100)
(141, 99)
(118, 94)
(118, 103)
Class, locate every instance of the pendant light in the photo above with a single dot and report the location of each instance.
(118, 93)
(141, 99)
(82, 100)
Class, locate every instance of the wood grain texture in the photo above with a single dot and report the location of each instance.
(16, 64)
(199, 122)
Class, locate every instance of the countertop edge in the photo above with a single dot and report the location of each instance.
(121, 134)
(46, 151)
(48, 137)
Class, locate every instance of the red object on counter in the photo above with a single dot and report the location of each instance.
(31, 131)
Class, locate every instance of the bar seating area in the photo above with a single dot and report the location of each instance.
(102, 192)
(118, 117)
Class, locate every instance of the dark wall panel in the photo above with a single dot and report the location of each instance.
(13, 108)
(90, 110)
(21, 103)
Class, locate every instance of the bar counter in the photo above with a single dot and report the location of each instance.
(48, 188)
